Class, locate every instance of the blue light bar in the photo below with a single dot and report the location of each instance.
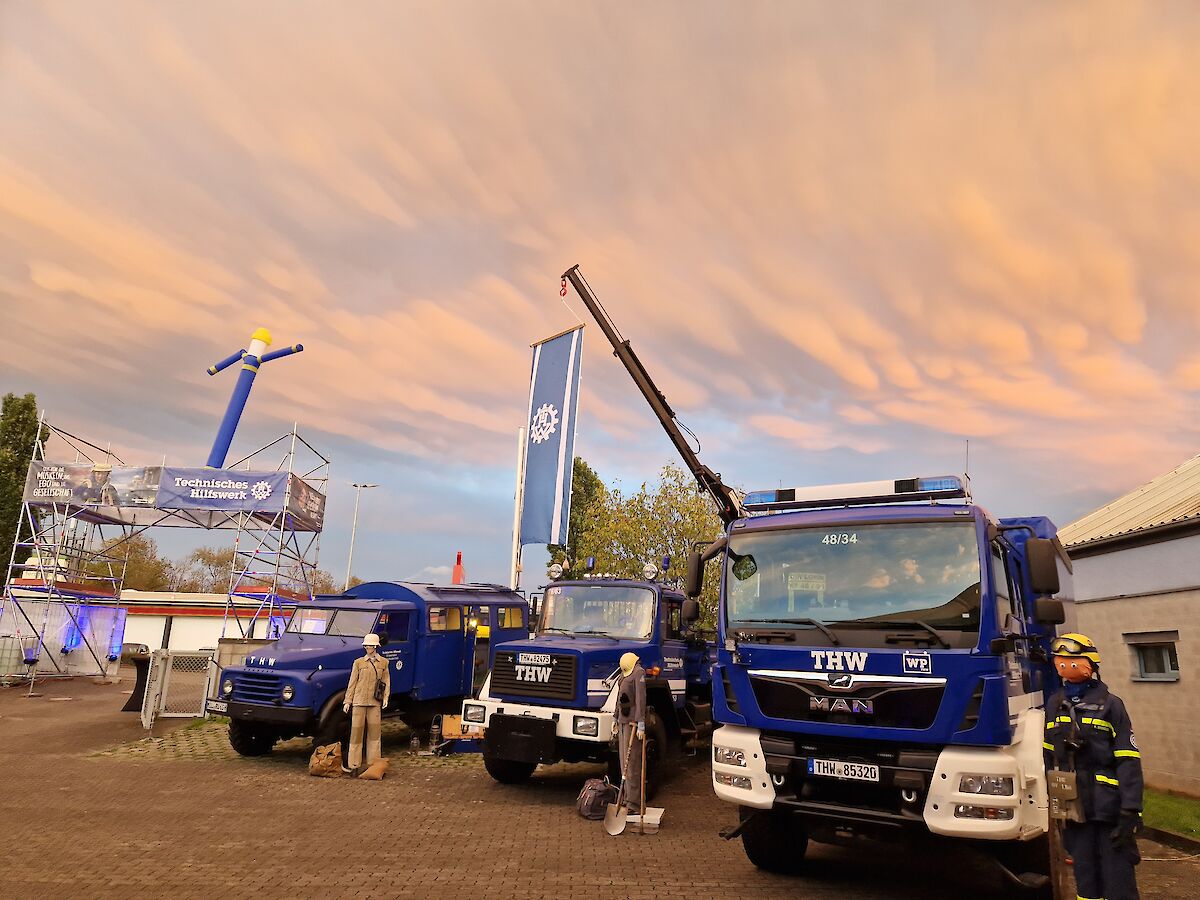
(863, 493)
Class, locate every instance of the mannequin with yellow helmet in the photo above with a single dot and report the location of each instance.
(1089, 740)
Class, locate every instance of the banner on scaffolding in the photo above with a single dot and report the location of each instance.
(119, 492)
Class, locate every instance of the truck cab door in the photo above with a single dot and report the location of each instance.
(441, 654)
(1017, 664)
(676, 662)
(400, 650)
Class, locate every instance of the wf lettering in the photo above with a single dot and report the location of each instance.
(839, 660)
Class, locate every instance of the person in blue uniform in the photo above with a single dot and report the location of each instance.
(1089, 733)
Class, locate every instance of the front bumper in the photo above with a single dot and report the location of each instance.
(918, 789)
(293, 716)
(563, 719)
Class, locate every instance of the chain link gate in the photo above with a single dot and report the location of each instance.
(176, 685)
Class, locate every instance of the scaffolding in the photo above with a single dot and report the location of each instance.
(60, 609)
(274, 560)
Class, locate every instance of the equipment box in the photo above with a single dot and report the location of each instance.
(454, 728)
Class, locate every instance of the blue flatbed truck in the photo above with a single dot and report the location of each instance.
(551, 697)
(295, 685)
(882, 661)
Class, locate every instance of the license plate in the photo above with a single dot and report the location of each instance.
(836, 768)
(218, 706)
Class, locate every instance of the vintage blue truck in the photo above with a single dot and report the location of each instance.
(551, 697)
(428, 634)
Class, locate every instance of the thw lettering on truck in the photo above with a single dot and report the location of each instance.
(839, 660)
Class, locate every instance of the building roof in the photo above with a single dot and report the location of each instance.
(1168, 501)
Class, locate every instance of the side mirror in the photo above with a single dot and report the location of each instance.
(1043, 566)
(690, 611)
(1048, 611)
(383, 639)
(693, 584)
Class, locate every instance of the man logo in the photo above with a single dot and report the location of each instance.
(841, 682)
(841, 705)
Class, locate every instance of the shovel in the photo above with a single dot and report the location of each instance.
(615, 815)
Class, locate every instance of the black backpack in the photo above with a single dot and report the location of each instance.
(593, 800)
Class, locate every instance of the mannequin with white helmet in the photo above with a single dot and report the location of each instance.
(366, 696)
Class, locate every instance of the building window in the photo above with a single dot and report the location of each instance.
(1155, 658)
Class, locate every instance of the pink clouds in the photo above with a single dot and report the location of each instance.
(829, 229)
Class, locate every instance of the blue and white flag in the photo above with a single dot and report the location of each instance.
(550, 443)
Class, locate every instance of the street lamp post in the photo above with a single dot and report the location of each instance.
(358, 489)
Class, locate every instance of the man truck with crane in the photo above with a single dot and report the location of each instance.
(882, 661)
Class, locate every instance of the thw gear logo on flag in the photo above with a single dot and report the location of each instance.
(261, 490)
(543, 424)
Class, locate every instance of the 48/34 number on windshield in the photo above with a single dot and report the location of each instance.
(842, 537)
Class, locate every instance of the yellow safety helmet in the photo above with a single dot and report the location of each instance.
(1075, 645)
(628, 661)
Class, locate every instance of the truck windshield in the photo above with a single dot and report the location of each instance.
(336, 622)
(614, 610)
(868, 575)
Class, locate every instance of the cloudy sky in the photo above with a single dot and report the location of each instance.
(844, 237)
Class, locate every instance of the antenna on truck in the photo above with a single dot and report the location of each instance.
(729, 504)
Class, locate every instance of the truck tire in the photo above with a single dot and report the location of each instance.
(774, 840)
(508, 771)
(336, 729)
(251, 738)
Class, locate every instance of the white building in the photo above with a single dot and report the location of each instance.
(183, 621)
(1137, 587)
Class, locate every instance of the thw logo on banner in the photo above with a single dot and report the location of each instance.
(550, 447)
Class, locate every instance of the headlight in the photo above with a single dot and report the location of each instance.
(737, 781)
(729, 756)
(288, 693)
(993, 785)
(227, 687)
(473, 713)
(586, 725)
(983, 812)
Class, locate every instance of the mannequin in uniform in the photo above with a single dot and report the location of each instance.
(367, 701)
(631, 720)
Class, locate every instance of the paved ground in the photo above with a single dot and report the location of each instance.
(89, 810)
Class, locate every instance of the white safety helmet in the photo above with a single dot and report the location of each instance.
(371, 640)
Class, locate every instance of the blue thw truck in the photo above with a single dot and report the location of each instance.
(882, 661)
(427, 634)
(551, 697)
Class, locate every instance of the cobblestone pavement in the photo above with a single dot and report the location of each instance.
(91, 810)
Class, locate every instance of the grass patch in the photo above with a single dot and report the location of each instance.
(1169, 812)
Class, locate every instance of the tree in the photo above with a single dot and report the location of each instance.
(18, 430)
(662, 519)
(205, 570)
(145, 570)
(588, 496)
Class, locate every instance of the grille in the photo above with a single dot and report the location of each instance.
(899, 706)
(560, 685)
(250, 687)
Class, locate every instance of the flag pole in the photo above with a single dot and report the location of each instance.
(518, 504)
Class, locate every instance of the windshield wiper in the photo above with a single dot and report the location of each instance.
(604, 633)
(899, 623)
(820, 626)
(565, 631)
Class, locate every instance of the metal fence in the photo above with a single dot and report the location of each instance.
(176, 685)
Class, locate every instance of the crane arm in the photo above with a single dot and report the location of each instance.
(728, 503)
